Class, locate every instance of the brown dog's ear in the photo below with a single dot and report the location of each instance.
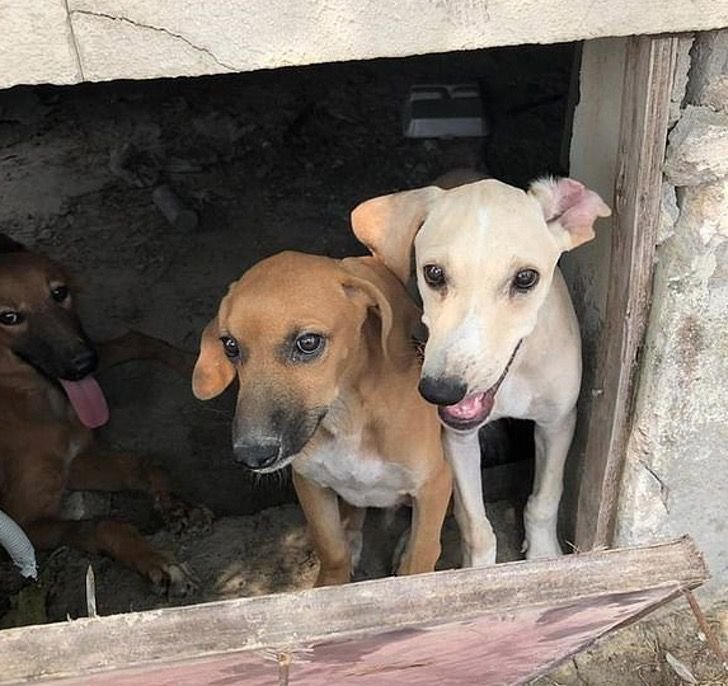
(7, 245)
(388, 225)
(570, 209)
(213, 372)
(376, 299)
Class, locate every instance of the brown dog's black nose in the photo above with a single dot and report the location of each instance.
(256, 456)
(82, 364)
(443, 390)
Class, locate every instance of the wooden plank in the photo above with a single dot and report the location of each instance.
(369, 615)
(649, 67)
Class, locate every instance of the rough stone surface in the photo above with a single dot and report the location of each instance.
(676, 477)
(698, 147)
(676, 472)
(669, 212)
(709, 80)
(142, 39)
(680, 81)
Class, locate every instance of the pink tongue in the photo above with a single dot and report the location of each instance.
(471, 407)
(88, 401)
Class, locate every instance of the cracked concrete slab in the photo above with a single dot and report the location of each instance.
(141, 39)
(37, 45)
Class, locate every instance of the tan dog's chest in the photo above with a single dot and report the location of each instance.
(360, 476)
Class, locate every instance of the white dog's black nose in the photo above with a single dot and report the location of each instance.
(256, 456)
(442, 390)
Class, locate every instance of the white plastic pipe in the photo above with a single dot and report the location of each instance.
(18, 545)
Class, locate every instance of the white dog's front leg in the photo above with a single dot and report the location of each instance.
(542, 510)
(478, 539)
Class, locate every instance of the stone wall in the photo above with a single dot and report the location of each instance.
(676, 476)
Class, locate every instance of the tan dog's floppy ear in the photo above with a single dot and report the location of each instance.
(387, 225)
(213, 371)
(570, 209)
(377, 300)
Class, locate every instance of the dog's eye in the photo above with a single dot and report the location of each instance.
(59, 293)
(309, 343)
(11, 318)
(434, 275)
(230, 346)
(525, 280)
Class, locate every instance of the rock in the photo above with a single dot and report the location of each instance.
(709, 78)
(704, 210)
(680, 82)
(669, 212)
(698, 147)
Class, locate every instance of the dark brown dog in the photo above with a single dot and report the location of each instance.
(49, 402)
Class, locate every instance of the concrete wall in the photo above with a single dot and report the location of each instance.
(676, 476)
(67, 41)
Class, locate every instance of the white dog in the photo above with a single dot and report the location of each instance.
(503, 336)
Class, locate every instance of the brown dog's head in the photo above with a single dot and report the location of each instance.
(291, 329)
(39, 327)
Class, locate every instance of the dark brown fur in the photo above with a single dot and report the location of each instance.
(44, 448)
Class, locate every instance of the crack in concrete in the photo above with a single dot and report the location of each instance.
(157, 29)
(74, 41)
(664, 490)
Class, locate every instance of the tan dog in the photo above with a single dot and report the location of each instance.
(503, 339)
(49, 402)
(328, 383)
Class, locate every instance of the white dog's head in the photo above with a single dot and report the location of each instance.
(485, 258)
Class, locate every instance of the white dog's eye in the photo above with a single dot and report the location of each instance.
(525, 280)
(434, 275)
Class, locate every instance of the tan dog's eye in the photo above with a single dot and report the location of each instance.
(434, 275)
(309, 343)
(525, 280)
(230, 346)
(59, 293)
(11, 318)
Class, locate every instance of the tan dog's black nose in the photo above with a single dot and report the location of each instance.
(256, 456)
(442, 390)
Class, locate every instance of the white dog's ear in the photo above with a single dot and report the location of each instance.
(213, 372)
(388, 225)
(570, 209)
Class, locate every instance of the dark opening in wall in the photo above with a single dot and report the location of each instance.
(268, 161)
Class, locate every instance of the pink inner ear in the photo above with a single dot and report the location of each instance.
(575, 206)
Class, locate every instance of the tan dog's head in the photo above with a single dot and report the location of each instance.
(291, 330)
(485, 258)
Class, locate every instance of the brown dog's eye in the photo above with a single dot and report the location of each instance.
(309, 343)
(525, 280)
(11, 318)
(230, 346)
(59, 293)
(434, 275)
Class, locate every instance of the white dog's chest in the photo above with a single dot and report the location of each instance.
(360, 478)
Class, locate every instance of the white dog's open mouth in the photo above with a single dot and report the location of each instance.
(474, 409)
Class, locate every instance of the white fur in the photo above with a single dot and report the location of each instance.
(359, 477)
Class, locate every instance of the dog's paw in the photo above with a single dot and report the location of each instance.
(539, 548)
(171, 578)
(181, 517)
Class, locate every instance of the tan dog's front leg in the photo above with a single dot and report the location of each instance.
(321, 507)
(428, 514)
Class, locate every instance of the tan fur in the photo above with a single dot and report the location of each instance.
(44, 449)
(366, 380)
